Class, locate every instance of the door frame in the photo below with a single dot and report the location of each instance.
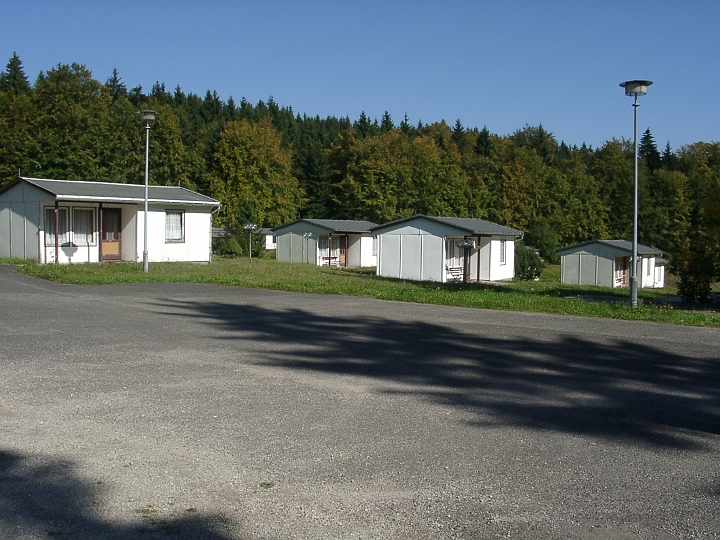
(104, 256)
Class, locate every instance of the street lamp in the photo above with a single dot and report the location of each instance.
(147, 116)
(250, 227)
(635, 89)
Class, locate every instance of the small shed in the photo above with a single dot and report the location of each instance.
(606, 263)
(427, 248)
(63, 221)
(268, 239)
(326, 242)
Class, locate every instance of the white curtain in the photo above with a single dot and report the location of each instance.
(50, 226)
(83, 226)
(173, 226)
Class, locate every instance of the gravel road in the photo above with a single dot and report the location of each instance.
(200, 411)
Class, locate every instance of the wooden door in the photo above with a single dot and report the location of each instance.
(111, 234)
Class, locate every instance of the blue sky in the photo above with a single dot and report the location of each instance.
(496, 64)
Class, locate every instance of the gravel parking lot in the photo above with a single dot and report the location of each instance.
(201, 411)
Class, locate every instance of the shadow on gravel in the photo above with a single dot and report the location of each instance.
(619, 389)
(41, 497)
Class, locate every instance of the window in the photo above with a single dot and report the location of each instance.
(50, 226)
(453, 253)
(503, 251)
(174, 226)
(375, 246)
(83, 226)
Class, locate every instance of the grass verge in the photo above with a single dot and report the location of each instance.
(547, 295)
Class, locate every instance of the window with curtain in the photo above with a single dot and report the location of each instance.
(323, 245)
(503, 251)
(174, 226)
(452, 252)
(83, 226)
(50, 226)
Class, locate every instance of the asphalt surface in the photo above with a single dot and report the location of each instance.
(198, 411)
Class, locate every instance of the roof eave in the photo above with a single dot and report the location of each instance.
(124, 200)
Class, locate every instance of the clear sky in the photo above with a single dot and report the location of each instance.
(500, 64)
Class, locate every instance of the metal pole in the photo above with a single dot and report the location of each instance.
(146, 263)
(250, 245)
(633, 269)
(57, 233)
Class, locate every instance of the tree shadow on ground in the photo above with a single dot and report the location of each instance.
(606, 388)
(41, 496)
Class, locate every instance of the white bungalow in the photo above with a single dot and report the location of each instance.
(326, 242)
(442, 249)
(606, 263)
(72, 222)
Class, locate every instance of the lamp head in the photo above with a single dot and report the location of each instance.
(635, 87)
(147, 116)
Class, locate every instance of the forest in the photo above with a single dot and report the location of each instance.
(269, 165)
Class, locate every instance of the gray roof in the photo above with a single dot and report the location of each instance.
(335, 225)
(468, 225)
(621, 245)
(73, 190)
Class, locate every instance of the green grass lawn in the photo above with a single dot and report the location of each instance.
(547, 295)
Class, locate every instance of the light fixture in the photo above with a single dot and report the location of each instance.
(634, 89)
(250, 227)
(147, 117)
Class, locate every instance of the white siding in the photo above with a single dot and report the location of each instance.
(417, 249)
(194, 248)
(389, 255)
(502, 271)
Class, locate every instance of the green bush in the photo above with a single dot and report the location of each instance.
(228, 247)
(528, 264)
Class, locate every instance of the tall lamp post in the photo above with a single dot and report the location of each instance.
(635, 89)
(147, 116)
(250, 227)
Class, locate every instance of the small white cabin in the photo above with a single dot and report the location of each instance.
(427, 248)
(63, 221)
(326, 242)
(606, 263)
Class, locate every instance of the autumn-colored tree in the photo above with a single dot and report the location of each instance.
(252, 168)
(612, 169)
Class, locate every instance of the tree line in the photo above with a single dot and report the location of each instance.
(269, 165)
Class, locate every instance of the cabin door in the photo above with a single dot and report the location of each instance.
(111, 234)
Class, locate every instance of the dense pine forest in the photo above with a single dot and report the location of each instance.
(268, 164)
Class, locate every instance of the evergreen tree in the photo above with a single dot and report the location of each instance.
(115, 85)
(13, 79)
(137, 97)
(160, 95)
(669, 159)
(211, 107)
(648, 152)
(483, 143)
(460, 137)
(405, 126)
(387, 123)
(363, 126)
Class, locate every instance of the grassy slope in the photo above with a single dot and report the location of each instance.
(544, 296)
